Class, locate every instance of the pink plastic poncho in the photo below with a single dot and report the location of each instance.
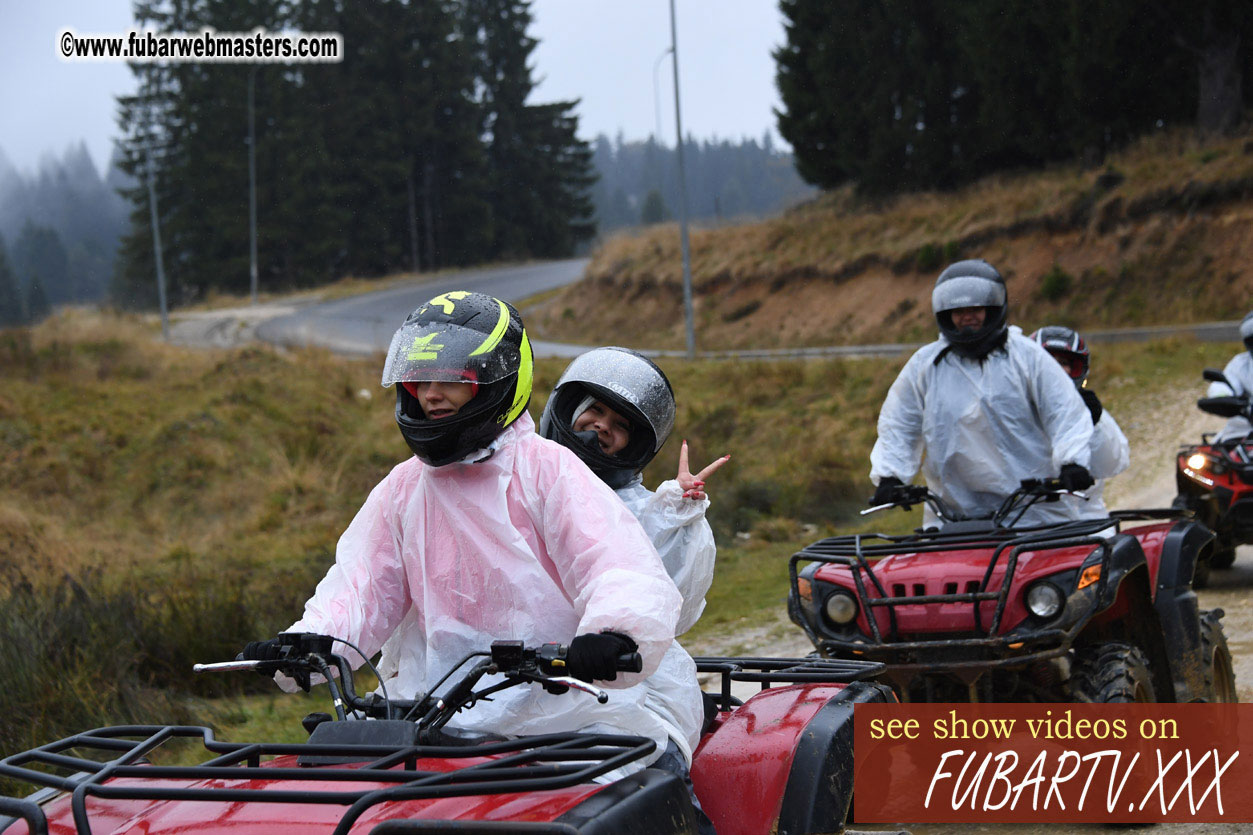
(526, 545)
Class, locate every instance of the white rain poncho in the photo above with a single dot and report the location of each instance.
(1110, 456)
(1240, 372)
(983, 426)
(682, 536)
(526, 545)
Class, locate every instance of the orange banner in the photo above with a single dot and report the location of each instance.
(1071, 763)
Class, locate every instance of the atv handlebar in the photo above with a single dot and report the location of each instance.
(1029, 492)
(304, 654)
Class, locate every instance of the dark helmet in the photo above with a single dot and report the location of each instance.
(1246, 331)
(460, 337)
(1068, 348)
(974, 283)
(630, 384)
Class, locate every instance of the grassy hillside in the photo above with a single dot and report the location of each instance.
(161, 506)
(1162, 233)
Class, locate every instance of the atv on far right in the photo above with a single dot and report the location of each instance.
(1214, 480)
(981, 610)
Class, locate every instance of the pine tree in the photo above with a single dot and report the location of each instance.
(39, 261)
(541, 172)
(11, 311)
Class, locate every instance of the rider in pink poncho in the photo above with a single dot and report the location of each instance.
(493, 533)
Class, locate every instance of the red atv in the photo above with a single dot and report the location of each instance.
(1215, 480)
(981, 611)
(779, 762)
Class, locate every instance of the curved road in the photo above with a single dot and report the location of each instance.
(364, 324)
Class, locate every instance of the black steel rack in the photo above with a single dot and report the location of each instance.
(526, 764)
(858, 553)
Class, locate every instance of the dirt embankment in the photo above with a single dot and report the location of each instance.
(1162, 234)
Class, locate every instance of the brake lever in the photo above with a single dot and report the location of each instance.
(579, 684)
(877, 508)
(226, 666)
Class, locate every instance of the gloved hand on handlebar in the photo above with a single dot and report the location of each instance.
(593, 656)
(267, 650)
(888, 490)
(1093, 403)
(1075, 477)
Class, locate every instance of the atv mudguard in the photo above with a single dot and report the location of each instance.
(1178, 610)
(783, 762)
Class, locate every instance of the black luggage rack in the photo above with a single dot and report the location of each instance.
(536, 763)
(771, 671)
(857, 551)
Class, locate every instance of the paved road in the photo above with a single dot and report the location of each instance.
(364, 324)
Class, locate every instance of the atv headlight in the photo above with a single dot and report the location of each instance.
(1197, 461)
(1044, 600)
(840, 608)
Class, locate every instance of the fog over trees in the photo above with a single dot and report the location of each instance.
(59, 232)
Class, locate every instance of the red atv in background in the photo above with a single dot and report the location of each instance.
(1214, 480)
(981, 611)
(779, 762)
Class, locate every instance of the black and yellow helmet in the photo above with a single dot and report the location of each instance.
(467, 338)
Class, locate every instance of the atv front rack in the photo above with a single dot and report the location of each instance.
(771, 671)
(984, 649)
(526, 764)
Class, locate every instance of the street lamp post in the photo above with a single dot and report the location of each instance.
(656, 92)
(683, 238)
(252, 187)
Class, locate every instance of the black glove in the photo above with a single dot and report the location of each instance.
(267, 650)
(1075, 477)
(887, 491)
(593, 656)
(1093, 403)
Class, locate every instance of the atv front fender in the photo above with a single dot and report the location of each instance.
(783, 762)
(1178, 610)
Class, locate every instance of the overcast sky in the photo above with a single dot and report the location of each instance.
(604, 52)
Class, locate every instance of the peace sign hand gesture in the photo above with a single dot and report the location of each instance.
(693, 485)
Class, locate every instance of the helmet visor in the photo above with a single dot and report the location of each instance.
(967, 291)
(422, 352)
(1075, 366)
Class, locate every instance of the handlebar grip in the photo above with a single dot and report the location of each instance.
(630, 662)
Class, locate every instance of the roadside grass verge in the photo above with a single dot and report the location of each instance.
(161, 506)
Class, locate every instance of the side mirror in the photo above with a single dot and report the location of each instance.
(1216, 376)
(1227, 407)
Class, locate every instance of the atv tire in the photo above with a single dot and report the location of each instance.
(1111, 672)
(1223, 557)
(1220, 676)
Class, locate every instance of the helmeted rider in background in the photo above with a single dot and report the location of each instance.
(614, 408)
(1239, 371)
(980, 409)
(1110, 451)
(490, 532)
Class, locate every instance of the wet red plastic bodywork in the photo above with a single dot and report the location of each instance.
(962, 571)
(133, 817)
(740, 772)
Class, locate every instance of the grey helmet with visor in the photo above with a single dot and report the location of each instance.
(1246, 331)
(630, 384)
(971, 283)
(459, 337)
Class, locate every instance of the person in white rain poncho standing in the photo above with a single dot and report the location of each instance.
(1110, 451)
(492, 533)
(980, 409)
(614, 408)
